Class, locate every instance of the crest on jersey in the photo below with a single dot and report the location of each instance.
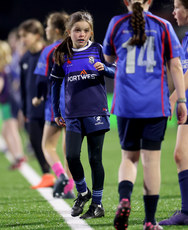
(91, 59)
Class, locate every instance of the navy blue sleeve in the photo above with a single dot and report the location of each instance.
(55, 96)
(22, 90)
(57, 72)
(109, 70)
(42, 86)
(56, 77)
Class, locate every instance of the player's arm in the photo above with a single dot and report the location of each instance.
(108, 69)
(174, 96)
(23, 91)
(56, 78)
(110, 59)
(176, 72)
(42, 90)
(1, 84)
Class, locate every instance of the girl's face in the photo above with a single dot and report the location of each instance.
(50, 31)
(80, 33)
(28, 39)
(180, 13)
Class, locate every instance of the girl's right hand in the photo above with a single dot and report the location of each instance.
(60, 121)
(99, 66)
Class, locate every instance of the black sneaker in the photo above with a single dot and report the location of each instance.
(94, 211)
(80, 201)
(58, 189)
(122, 215)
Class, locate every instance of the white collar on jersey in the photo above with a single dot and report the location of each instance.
(83, 48)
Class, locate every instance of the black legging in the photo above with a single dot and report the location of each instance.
(35, 130)
(73, 149)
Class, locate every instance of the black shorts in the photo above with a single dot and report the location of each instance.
(141, 133)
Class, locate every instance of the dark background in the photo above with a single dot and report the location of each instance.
(13, 12)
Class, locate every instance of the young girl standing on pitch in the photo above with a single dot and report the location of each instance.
(10, 129)
(54, 32)
(181, 150)
(80, 62)
(31, 34)
(142, 43)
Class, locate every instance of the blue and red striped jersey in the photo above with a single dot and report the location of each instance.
(184, 59)
(45, 62)
(141, 88)
(43, 70)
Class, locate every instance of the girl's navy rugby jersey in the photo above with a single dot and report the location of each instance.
(85, 92)
(28, 86)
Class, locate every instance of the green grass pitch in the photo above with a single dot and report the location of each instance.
(23, 208)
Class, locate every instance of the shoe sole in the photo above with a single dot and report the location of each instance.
(57, 194)
(121, 219)
(91, 217)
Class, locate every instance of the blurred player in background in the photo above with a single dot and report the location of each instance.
(31, 34)
(181, 150)
(54, 33)
(10, 129)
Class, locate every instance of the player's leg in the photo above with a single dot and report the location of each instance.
(181, 159)
(127, 177)
(50, 139)
(95, 145)
(35, 128)
(10, 132)
(152, 179)
(68, 190)
(152, 137)
(73, 149)
(130, 144)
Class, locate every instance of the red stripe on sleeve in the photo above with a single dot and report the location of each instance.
(162, 72)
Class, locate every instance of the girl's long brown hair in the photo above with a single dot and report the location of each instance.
(138, 24)
(65, 48)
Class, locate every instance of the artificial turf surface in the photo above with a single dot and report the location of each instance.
(24, 208)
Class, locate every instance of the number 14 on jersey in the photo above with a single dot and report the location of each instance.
(147, 48)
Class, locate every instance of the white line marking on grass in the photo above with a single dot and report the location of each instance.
(59, 205)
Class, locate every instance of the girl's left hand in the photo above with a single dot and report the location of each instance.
(99, 66)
